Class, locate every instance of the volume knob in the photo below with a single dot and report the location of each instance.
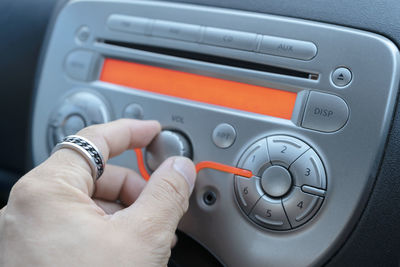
(165, 145)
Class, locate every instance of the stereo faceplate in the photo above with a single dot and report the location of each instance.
(346, 84)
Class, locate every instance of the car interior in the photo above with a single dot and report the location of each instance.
(288, 108)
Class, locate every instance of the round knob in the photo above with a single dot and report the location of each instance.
(75, 112)
(276, 181)
(165, 145)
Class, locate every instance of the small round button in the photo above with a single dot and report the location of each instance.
(83, 34)
(133, 111)
(165, 145)
(224, 135)
(73, 124)
(341, 76)
(276, 181)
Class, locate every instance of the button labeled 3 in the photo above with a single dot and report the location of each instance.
(284, 150)
(308, 170)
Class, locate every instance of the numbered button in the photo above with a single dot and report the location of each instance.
(248, 192)
(269, 213)
(284, 150)
(256, 157)
(300, 206)
(309, 170)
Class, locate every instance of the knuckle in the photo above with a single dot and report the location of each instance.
(26, 190)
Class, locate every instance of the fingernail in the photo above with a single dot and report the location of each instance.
(186, 169)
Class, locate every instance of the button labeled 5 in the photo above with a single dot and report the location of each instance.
(269, 212)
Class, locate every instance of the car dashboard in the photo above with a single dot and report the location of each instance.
(302, 96)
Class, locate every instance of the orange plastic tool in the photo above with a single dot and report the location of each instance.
(199, 166)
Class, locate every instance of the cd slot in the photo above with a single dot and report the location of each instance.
(214, 59)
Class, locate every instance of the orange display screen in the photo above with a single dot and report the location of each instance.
(235, 95)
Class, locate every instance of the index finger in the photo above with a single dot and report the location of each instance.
(111, 139)
(115, 137)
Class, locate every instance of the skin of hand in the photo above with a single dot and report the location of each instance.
(55, 216)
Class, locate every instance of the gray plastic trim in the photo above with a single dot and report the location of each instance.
(350, 155)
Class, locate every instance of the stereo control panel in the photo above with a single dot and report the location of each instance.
(305, 106)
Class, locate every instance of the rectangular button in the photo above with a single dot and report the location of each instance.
(129, 24)
(175, 30)
(78, 64)
(287, 48)
(231, 39)
(325, 112)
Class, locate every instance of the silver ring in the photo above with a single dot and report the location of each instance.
(87, 149)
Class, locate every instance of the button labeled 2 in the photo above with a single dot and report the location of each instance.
(284, 150)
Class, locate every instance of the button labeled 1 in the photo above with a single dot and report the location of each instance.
(256, 157)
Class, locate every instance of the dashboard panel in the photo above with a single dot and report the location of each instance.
(359, 249)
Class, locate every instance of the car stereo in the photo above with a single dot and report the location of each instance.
(305, 106)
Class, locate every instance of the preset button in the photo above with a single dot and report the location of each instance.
(249, 192)
(308, 170)
(256, 157)
(269, 213)
(300, 206)
(284, 150)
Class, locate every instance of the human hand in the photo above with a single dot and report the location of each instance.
(56, 217)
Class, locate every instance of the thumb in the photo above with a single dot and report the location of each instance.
(165, 198)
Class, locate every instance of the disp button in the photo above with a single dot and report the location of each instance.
(325, 112)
